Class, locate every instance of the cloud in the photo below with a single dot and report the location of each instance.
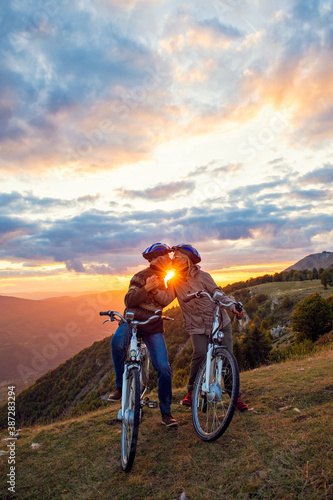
(160, 192)
(75, 265)
(28, 203)
(96, 85)
(74, 82)
(259, 217)
(323, 175)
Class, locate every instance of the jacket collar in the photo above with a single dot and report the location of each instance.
(191, 272)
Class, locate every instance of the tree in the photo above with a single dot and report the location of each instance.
(324, 279)
(253, 348)
(315, 273)
(296, 276)
(311, 318)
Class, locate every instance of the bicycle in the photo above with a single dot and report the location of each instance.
(216, 386)
(135, 384)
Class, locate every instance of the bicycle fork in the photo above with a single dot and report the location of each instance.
(124, 393)
(134, 354)
(209, 375)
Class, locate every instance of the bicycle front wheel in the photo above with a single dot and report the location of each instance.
(130, 420)
(213, 410)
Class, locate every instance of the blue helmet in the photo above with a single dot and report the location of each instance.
(188, 250)
(155, 250)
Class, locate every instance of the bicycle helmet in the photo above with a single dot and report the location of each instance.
(188, 250)
(155, 250)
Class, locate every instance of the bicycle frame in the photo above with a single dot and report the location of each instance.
(134, 359)
(216, 386)
(216, 335)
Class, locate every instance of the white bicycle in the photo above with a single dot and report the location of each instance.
(216, 386)
(135, 383)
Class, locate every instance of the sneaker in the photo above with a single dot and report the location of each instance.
(115, 395)
(187, 401)
(168, 420)
(241, 406)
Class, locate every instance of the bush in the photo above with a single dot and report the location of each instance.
(311, 318)
(287, 302)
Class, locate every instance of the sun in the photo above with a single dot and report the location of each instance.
(168, 276)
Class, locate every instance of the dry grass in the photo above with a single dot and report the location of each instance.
(297, 289)
(282, 448)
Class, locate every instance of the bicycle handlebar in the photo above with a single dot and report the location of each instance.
(201, 293)
(112, 314)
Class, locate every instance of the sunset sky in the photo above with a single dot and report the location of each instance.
(124, 123)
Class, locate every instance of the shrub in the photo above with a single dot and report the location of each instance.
(287, 302)
(311, 318)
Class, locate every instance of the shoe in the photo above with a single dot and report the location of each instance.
(168, 420)
(115, 395)
(241, 406)
(187, 401)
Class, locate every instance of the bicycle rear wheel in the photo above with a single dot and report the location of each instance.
(130, 420)
(212, 411)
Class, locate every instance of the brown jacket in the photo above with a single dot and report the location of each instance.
(198, 314)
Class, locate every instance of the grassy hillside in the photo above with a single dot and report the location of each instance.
(282, 448)
(296, 289)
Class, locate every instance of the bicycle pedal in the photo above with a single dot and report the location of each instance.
(152, 404)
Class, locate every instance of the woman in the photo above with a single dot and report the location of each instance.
(198, 314)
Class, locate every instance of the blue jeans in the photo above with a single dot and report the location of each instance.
(159, 357)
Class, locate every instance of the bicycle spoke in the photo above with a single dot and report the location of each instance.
(213, 411)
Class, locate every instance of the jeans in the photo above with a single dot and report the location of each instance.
(159, 357)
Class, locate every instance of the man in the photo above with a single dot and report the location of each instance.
(145, 295)
(198, 314)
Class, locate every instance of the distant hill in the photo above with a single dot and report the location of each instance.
(38, 335)
(317, 260)
(74, 386)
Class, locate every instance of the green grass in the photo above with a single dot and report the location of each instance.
(296, 289)
(281, 449)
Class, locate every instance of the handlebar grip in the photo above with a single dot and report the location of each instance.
(239, 307)
(104, 313)
(189, 297)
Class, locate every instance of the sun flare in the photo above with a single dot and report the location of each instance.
(169, 275)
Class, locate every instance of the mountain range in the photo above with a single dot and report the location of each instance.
(37, 335)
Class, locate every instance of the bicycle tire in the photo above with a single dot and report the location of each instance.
(212, 414)
(130, 420)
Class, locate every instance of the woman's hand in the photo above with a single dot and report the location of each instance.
(239, 315)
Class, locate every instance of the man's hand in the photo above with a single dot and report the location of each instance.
(152, 283)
